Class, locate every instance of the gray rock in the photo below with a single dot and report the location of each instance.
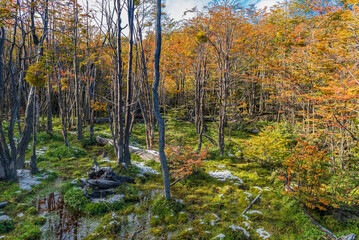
(348, 237)
(3, 204)
(254, 130)
(4, 218)
(75, 181)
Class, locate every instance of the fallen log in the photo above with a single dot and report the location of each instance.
(23, 195)
(144, 154)
(250, 205)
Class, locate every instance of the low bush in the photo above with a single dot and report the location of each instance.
(75, 199)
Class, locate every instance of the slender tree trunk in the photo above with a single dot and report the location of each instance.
(77, 82)
(161, 124)
(33, 165)
(131, 11)
(7, 165)
(49, 107)
(120, 156)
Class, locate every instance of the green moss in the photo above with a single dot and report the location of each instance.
(110, 228)
(22, 207)
(75, 199)
(66, 152)
(182, 217)
(39, 221)
(163, 207)
(31, 211)
(198, 178)
(31, 233)
(96, 209)
(6, 226)
(155, 221)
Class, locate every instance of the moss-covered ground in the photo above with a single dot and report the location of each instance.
(202, 207)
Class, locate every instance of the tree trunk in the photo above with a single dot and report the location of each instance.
(77, 82)
(119, 148)
(161, 125)
(126, 152)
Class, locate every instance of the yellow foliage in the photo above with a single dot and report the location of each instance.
(36, 75)
(201, 37)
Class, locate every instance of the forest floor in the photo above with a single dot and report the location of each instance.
(208, 205)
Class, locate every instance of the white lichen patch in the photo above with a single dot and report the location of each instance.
(26, 180)
(42, 150)
(220, 236)
(112, 199)
(107, 159)
(224, 175)
(249, 195)
(254, 212)
(259, 188)
(247, 224)
(144, 169)
(263, 234)
(235, 228)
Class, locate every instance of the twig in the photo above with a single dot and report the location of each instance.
(329, 233)
(23, 195)
(250, 205)
(178, 180)
(210, 139)
(351, 134)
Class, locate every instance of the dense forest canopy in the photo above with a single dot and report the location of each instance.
(270, 91)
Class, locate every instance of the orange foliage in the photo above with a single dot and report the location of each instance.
(183, 161)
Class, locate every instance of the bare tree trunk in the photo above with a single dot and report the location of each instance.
(7, 166)
(120, 158)
(131, 11)
(161, 124)
(77, 82)
(49, 107)
(33, 165)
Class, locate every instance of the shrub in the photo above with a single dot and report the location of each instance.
(76, 200)
(306, 173)
(268, 149)
(183, 161)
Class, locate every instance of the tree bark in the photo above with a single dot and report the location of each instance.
(161, 125)
(126, 151)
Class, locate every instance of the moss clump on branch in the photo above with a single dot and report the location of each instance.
(36, 75)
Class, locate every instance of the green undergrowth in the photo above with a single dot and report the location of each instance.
(202, 207)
